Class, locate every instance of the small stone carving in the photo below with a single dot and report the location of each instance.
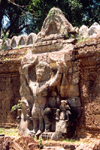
(63, 117)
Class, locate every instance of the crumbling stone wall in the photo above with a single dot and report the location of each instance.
(9, 85)
(9, 92)
(88, 54)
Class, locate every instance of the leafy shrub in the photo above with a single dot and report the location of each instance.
(17, 106)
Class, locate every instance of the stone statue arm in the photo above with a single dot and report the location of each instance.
(25, 67)
(29, 64)
(56, 79)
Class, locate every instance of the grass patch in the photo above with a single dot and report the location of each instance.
(70, 140)
(9, 132)
(1, 130)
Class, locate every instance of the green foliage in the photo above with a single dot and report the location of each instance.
(69, 140)
(1, 130)
(4, 36)
(17, 106)
(2, 48)
(66, 36)
(28, 15)
(53, 12)
(72, 36)
(5, 59)
(81, 39)
(40, 143)
(18, 47)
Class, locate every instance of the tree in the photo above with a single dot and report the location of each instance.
(28, 15)
(72, 10)
(78, 12)
(3, 5)
(91, 11)
(16, 12)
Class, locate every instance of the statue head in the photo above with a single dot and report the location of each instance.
(24, 103)
(64, 104)
(42, 71)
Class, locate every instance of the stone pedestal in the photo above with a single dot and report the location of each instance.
(47, 135)
(61, 125)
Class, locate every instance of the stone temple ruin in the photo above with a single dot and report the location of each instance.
(49, 92)
(58, 80)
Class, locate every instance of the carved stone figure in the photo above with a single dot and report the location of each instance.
(64, 112)
(40, 90)
(63, 117)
